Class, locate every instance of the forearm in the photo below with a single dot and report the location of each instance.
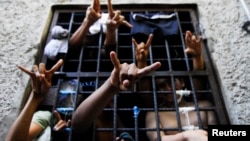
(198, 63)
(110, 39)
(145, 85)
(91, 107)
(20, 128)
(78, 36)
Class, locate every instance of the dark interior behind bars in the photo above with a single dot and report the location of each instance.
(86, 68)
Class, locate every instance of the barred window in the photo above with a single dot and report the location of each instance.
(86, 68)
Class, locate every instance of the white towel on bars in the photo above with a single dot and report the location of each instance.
(58, 43)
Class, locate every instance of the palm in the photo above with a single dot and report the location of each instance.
(193, 44)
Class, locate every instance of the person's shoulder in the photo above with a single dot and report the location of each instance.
(150, 113)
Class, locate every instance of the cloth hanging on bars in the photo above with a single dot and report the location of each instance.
(159, 24)
(58, 43)
(99, 25)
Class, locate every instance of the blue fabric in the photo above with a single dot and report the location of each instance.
(159, 24)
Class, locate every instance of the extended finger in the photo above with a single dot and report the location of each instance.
(115, 60)
(146, 70)
(60, 124)
(25, 70)
(134, 42)
(188, 37)
(127, 24)
(57, 114)
(68, 123)
(41, 68)
(110, 9)
(56, 66)
(96, 5)
(199, 39)
(150, 38)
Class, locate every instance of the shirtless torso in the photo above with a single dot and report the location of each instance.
(167, 119)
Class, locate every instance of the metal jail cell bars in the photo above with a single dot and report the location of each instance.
(90, 68)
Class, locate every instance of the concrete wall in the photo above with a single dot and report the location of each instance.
(22, 23)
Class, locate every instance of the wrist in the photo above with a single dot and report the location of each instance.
(86, 23)
(112, 85)
(110, 29)
(110, 39)
(198, 63)
(37, 97)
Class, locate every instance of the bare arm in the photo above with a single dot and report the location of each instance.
(114, 21)
(142, 51)
(20, 129)
(194, 48)
(189, 135)
(41, 82)
(92, 15)
(122, 77)
(90, 108)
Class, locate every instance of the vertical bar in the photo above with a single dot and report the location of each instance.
(99, 49)
(70, 27)
(183, 42)
(115, 118)
(190, 77)
(155, 98)
(136, 113)
(176, 103)
(196, 103)
(173, 85)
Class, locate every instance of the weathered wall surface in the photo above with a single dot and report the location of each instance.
(22, 24)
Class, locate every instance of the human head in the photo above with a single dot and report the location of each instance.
(165, 95)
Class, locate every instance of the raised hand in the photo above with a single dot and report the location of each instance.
(41, 78)
(193, 44)
(61, 123)
(125, 75)
(93, 12)
(194, 48)
(142, 49)
(115, 19)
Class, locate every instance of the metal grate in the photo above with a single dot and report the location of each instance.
(86, 68)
